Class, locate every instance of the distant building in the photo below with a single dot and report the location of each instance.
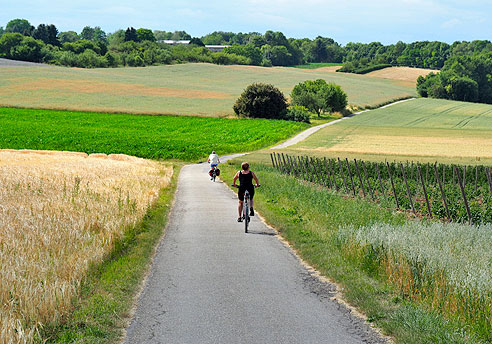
(213, 48)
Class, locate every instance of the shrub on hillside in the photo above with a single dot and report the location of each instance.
(261, 101)
(298, 114)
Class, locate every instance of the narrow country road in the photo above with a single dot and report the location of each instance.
(212, 283)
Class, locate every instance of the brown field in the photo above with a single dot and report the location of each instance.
(113, 88)
(60, 212)
(407, 75)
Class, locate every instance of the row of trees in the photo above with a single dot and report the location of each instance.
(418, 54)
(465, 78)
(267, 101)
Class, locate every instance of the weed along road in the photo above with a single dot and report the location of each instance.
(212, 283)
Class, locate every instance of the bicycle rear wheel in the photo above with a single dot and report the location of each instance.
(246, 215)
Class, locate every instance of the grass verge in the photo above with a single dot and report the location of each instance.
(309, 218)
(102, 310)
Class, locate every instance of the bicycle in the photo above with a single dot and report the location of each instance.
(213, 172)
(246, 217)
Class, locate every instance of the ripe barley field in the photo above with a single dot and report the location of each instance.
(188, 89)
(60, 213)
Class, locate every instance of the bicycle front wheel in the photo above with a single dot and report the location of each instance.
(246, 217)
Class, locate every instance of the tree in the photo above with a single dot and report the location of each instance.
(21, 26)
(8, 41)
(261, 101)
(463, 88)
(131, 35)
(197, 41)
(47, 33)
(180, 36)
(319, 97)
(1, 31)
(68, 36)
(87, 33)
(145, 35)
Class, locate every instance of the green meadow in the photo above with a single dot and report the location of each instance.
(155, 137)
(187, 89)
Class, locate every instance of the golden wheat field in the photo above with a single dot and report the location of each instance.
(407, 75)
(60, 212)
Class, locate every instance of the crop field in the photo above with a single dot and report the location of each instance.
(421, 129)
(407, 75)
(187, 89)
(156, 137)
(60, 213)
(446, 266)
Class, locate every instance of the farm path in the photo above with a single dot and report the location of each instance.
(212, 283)
(308, 132)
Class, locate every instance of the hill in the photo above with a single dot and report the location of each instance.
(421, 129)
(186, 89)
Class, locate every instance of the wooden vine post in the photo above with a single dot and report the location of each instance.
(464, 197)
(392, 185)
(350, 175)
(367, 180)
(328, 173)
(425, 191)
(332, 170)
(380, 181)
(360, 178)
(443, 194)
(343, 175)
(408, 188)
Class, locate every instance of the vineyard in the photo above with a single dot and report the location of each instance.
(447, 192)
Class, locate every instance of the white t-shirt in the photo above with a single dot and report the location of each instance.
(214, 159)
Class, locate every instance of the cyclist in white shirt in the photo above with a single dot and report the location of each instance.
(213, 159)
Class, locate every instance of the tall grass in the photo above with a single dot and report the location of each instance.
(60, 213)
(445, 266)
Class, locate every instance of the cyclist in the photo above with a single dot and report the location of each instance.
(213, 159)
(246, 177)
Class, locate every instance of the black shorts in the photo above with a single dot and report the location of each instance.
(242, 190)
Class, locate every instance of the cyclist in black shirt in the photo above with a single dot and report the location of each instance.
(245, 183)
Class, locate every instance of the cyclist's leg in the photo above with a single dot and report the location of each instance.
(251, 196)
(241, 202)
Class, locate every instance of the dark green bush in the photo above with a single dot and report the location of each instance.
(261, 101)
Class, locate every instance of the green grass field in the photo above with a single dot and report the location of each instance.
(422, 129)
(187, 89)
(157, 137)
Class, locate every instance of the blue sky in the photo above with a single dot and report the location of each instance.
(386, 21)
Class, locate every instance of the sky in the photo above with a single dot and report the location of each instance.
(385, 21)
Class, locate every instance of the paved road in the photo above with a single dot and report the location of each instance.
(212, 283)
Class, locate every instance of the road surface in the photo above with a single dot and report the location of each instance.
(212, 283)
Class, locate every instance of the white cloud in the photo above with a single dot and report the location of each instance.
(450, 24)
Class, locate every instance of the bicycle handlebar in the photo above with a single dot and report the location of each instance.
(237, 186)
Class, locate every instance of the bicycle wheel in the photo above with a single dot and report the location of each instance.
(246, 215)
(214, 175)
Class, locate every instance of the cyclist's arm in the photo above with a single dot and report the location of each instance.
(235, 178)
(256, 179)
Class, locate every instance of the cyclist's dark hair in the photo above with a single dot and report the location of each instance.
(245, 166)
